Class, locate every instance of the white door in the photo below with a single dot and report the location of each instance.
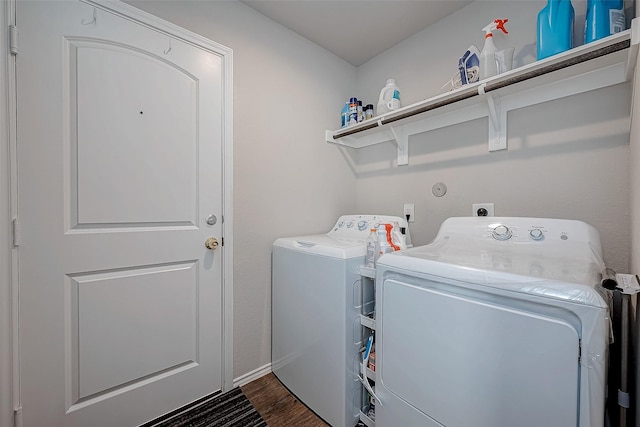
(119, 136)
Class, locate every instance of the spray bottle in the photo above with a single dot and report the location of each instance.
(398, 237)
(385, 240)
(488, 65)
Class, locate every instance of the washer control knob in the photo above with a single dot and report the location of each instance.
(362, 225)
(536, 234)
(501, 232)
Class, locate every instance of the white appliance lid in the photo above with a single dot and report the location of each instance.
(346, 239)
(323, 244)
(563, 269)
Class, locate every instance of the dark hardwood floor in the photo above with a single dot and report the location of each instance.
(277, 406)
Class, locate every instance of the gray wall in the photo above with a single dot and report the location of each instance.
(566, 158)
(287, 179)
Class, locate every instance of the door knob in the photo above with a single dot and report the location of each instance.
(211, 243)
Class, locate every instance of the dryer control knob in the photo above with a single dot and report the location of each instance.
(501, 232)
(536, 234)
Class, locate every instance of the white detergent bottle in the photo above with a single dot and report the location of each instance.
(389, 98)
(488, 64)
(398, 238)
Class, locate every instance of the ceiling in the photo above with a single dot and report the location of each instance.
(356, 30)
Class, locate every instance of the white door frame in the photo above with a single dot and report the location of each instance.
(9, 340)
(9, 384)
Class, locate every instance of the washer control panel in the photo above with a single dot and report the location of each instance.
(358, 227)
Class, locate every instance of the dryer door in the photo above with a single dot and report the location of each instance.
(465, 362)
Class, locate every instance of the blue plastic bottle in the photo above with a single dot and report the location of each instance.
(345, 115)
(555, 28)
(604, 17)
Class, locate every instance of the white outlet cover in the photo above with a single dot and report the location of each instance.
(409, 209)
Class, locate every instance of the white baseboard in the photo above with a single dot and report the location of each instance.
(253, 375)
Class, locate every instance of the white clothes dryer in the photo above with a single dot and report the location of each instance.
(315, 316)
(497, 322)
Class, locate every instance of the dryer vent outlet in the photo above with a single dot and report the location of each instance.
(482, 209)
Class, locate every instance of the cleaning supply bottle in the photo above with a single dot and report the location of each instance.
(555, 28)
(389, 99)
(604, 17)
(398, 237)
(389, 231)
(368, 112)
(345, 115)
(383, 246)
(385, 240)
(353, 111)
(488, 65)
(372, 249)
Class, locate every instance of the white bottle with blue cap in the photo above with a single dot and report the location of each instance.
(389, 98)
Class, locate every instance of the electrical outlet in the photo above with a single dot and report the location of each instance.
(482, 209)
(409, 211)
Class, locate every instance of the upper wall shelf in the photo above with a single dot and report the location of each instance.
(596, 65)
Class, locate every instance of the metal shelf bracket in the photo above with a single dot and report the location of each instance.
(497, 120)
(401, 138)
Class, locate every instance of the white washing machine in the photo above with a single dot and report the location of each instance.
(315, 324)
(497, 322)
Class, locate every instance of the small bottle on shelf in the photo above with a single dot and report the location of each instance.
(345, 115)
(372, 249)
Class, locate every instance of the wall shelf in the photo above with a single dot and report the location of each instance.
(596, 65)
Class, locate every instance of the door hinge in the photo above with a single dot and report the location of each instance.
(13, 39)
(17, 417)
(17, 232)
(222, 241)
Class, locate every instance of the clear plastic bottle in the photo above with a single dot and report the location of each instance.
(372, 249)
